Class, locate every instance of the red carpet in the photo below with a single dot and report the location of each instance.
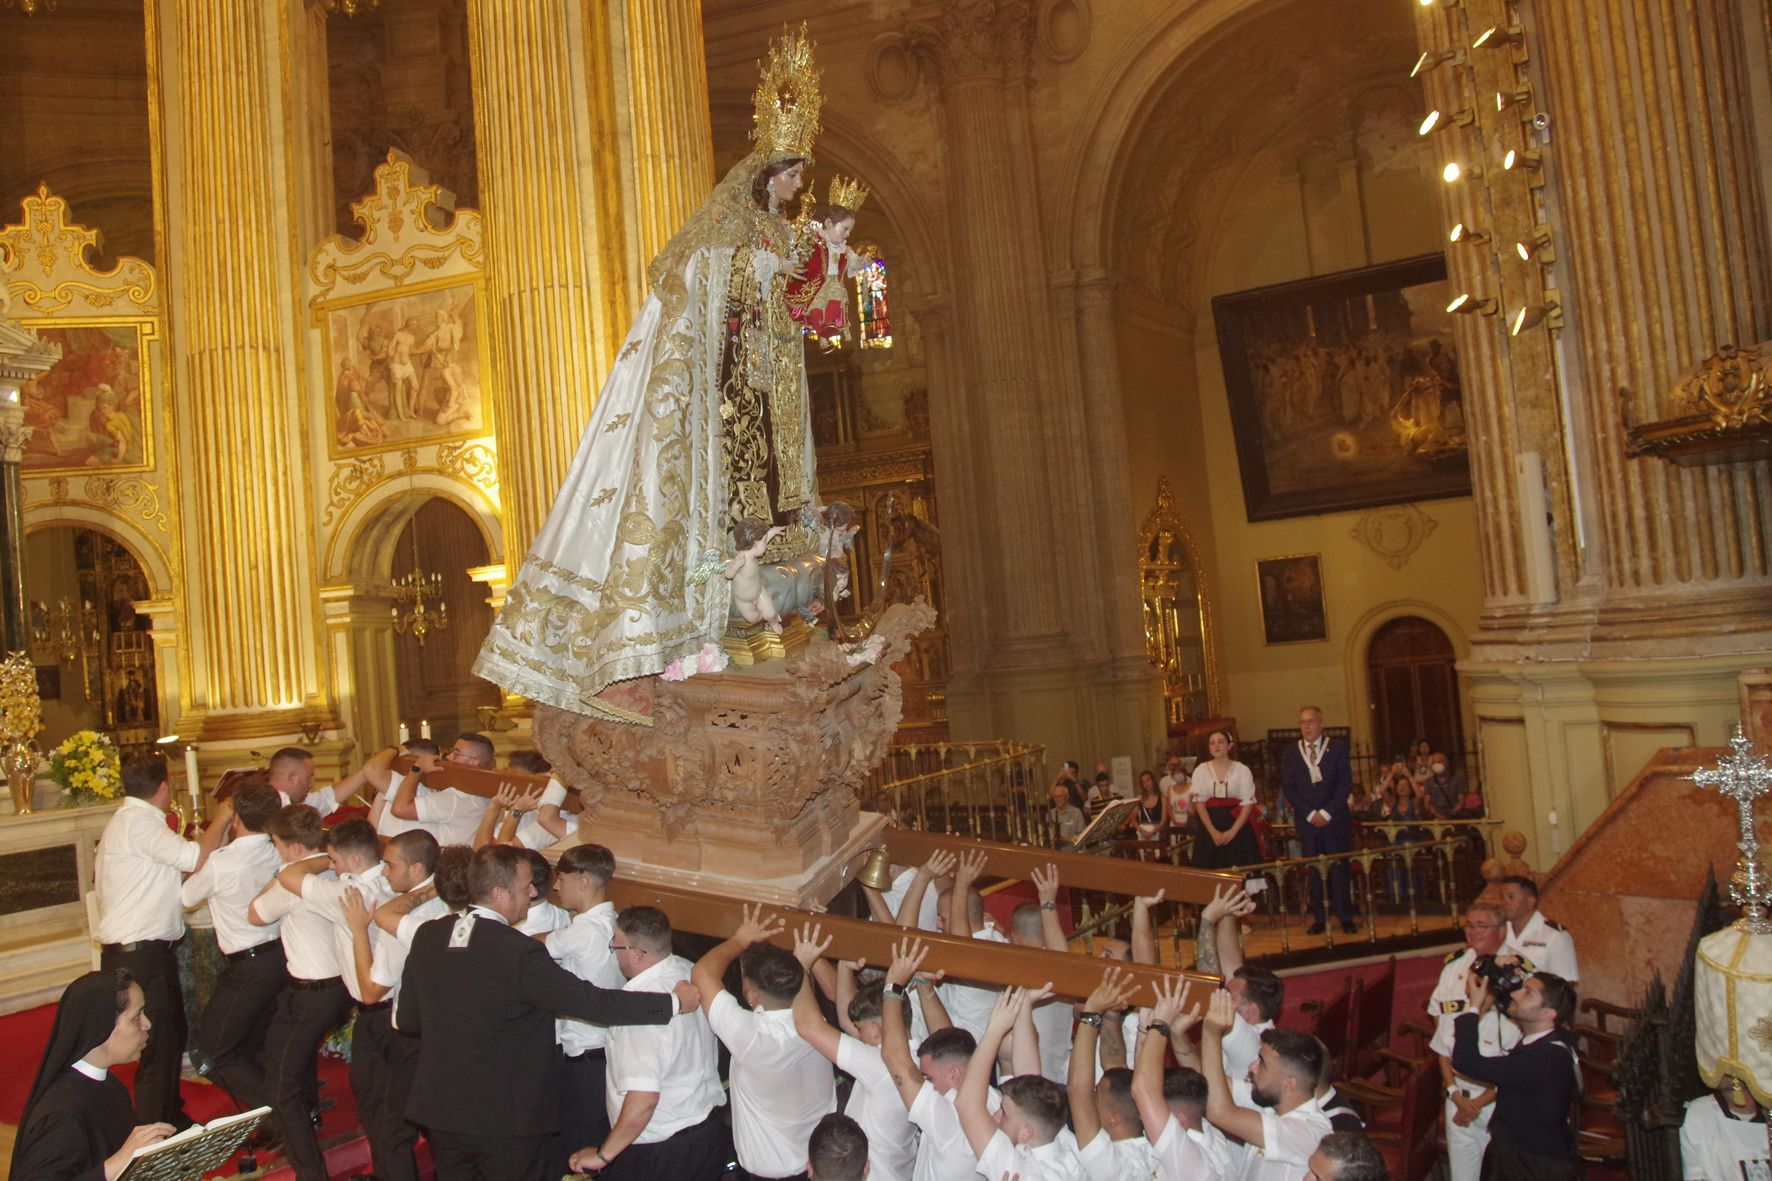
(25, 1034)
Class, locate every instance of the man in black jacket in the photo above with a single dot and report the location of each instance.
(1316, 775)
(482, 998)
(1530, 1134)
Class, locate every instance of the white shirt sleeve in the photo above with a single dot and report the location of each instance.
(643, 1051)
(732, 1024)
(325, 895)
(275, 903)
(1290, 1139)
(199, 887)
(159, 843)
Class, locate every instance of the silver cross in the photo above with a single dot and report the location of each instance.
(1744, 777)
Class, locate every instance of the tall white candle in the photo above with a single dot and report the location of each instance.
(192, 781)
(405, 734)
(424, 729)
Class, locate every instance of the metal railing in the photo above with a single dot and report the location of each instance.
(994, 790)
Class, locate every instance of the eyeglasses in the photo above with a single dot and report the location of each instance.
(621, 947)
(1482, 926)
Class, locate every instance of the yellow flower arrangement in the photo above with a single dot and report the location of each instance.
(88, 769)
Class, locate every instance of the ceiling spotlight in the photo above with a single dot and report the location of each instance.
(1532, 315)
(1463, 235)
(1440, 3)
(1537, 246)
(1436, 57)
(1455, 172)
(1495, 36)
(1466, 304)
(1512, 98)
(1517, 158)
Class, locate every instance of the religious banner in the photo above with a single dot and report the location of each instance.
(1344, 390)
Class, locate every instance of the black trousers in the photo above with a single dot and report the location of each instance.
(699, 1153)
(745, 1174)
(384, 1063)
(1334, 837)
(155, 968)
(300, 1022)
(462, 1157)
(584, 1103)
(231, 1032)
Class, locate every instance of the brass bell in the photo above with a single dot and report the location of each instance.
(877, 873)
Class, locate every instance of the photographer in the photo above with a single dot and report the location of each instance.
(1469, 1103)
(1530, 1137)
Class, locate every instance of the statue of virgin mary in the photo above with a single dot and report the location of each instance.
(702, 423)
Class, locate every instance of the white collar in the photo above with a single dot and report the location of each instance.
(96, 1074)
(424, 885)
(368, 875)
(137, 800)
(479, 911)
(596, 912)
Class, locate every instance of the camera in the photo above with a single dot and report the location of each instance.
(1504, 979)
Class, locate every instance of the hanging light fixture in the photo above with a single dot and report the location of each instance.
(419, 589)
(29, 7)
(349, 7)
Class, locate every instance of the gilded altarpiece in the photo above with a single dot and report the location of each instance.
(96, 461)
(866, 461)
(400, 380)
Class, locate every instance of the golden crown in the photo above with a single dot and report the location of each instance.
(849, 194)
(788, 101)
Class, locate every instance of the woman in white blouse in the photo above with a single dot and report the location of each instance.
(1223, 799)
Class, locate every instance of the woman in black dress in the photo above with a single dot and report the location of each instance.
(79, 1123)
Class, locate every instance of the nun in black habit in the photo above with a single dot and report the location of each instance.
(79, 1123)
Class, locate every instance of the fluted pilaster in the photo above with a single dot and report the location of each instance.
(568, 215)
(250, 582)
(1657, 162)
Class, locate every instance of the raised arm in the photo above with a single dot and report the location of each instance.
(213, 836)
(969, 1101)
(1115, 991)
(971, 864)
(895, 1043)
(547, 812)
(1147, 1087)
(809, 1022)
(1046, 885)
(709, 973)
(1221, 1108)
(1144, 935)
(291, 876)
(1229, 935)
(404, 805)
(1024, 1039)
(940, 864)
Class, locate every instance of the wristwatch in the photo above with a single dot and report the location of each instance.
(1090, 1019)
(897, 990)
(1161, 1027)
(1048, 906)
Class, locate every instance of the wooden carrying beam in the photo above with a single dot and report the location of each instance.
(1085, 871)
(1072, 975)
(480, 781)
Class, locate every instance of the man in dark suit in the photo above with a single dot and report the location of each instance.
(482, 998)
(1316, 776)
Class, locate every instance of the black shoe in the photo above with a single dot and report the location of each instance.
(1350, 927)
(1315, 928)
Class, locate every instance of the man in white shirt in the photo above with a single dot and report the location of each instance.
(137, 875)
(1541, 945)
(781, 1087)
(1259, 995)
(1110, 1134)
(969, 1005)
(927, 1083)
(1346, 1156)
(838, 1151)
(544, 916)
(1035, 924)
(315, 1000)
(383, 1060)
(582, 948)
(1286, 1124)
(450, 815)
(291, 773)
(875, 1103)
(1023, 1138)
(1724, 1135)
(231, 1032)
(1469, 1104)
(664, 1081)
(1172, 1106)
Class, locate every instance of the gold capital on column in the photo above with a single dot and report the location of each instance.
(248, 581)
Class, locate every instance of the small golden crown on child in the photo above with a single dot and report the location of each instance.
(847, 193)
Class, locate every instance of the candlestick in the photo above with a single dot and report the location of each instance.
(424, 729)
(405, 734)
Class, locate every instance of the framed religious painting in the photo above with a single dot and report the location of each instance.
(1291, 593)
(1345, 391)
(405, 368)
(92, 411)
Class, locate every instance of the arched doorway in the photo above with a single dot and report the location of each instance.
(93, 651)
(434, 680)
(1413, 678)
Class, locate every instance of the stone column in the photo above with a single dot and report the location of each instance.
(15, 628)
(563, 254)
(248, 568)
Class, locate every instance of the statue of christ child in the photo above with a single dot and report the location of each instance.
(818, 294)
(750, 598)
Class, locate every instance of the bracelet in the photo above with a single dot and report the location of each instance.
(1048, 906)
(600, 1158)
(1093, 1019)
(1161, 1027)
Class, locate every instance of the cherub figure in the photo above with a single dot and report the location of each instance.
(750, 598)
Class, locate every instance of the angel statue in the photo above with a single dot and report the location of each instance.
(703, 423)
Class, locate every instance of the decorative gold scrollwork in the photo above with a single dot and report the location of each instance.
(128, 494)
(475, 462)
(1734, 386)
(350, 480)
